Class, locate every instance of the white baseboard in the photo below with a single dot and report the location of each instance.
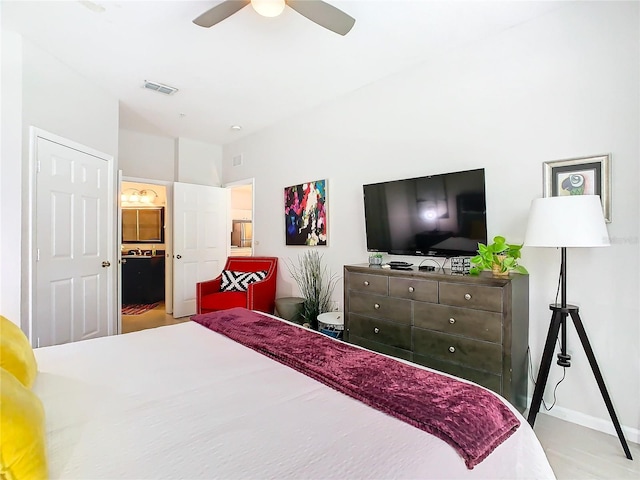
(595, 423)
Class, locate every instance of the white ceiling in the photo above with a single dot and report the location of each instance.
(247, 70)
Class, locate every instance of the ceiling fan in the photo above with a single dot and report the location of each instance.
(319, 12)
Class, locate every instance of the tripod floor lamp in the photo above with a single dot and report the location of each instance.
(567, 222)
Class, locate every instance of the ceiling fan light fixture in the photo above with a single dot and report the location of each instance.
(319, 12)
(268, 8)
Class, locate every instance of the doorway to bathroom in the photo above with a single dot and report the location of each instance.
(143, 245)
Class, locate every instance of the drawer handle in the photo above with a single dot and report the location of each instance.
(467, 296)
(376, 306)
(452, 349)
(366, 284)
(376, 330)
(452, 321)
(411, 289)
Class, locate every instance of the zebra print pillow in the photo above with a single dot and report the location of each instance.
(240, 281)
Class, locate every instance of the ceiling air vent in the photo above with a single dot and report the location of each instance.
(160, 88)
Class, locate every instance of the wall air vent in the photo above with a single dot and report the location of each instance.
(237, 160)
(159, 87)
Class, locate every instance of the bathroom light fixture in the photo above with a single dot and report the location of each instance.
(130, 197)
(148, 196)
(145, 196)
(268, 8)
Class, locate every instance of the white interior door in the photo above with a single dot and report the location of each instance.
(200, 240)
(72, 239)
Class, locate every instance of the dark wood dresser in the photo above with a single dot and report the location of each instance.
(474, 327)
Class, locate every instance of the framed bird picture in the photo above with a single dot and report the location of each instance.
(580, 176)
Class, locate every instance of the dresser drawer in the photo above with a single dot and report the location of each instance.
(381, 348)
(454, 349)
(362, 282)
(471, 296)
(459, 321)
(378, 306)
(422, 290)
(380, 331)
(488, 380)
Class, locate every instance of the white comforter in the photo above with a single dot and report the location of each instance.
(184, 402)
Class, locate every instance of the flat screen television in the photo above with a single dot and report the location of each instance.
(437, 215)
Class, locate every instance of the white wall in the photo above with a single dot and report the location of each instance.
(564, 85)
(157, 157)
(44, 93)
(198, 162)
(10, 173)
(147, 156)
(59, 100)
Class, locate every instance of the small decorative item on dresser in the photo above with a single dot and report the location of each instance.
(375, 259)
(460, 264)
(500, 257)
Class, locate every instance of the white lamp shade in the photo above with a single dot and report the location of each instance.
(570, 221)
(268, 8)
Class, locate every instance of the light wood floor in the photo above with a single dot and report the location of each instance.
(151, 319)
(577, 452)
(574, 452)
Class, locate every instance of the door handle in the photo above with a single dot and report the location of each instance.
(106, 264)
(178, 257)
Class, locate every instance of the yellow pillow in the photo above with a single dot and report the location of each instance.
(16, 354)
(22, 431)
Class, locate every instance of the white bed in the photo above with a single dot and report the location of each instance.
(184, 402)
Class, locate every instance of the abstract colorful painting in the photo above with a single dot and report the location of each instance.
(305, 213)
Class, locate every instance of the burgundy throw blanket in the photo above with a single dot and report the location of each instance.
(470, 419)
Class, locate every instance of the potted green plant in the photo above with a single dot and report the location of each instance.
(316, 285)
(375, 259)
(500, 257)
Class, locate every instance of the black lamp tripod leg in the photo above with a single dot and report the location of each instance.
(582, 334)
(557, 319)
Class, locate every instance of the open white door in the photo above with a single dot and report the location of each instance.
(200, 240)
(72, 246)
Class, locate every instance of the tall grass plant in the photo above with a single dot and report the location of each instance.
(316, 284)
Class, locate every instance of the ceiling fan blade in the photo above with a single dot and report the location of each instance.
(323, 14)
(220, 12)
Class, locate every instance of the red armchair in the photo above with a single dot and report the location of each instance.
(259, 296)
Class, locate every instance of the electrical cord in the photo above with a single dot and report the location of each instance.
(533, 380)
(544, 404)
(564, 369)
